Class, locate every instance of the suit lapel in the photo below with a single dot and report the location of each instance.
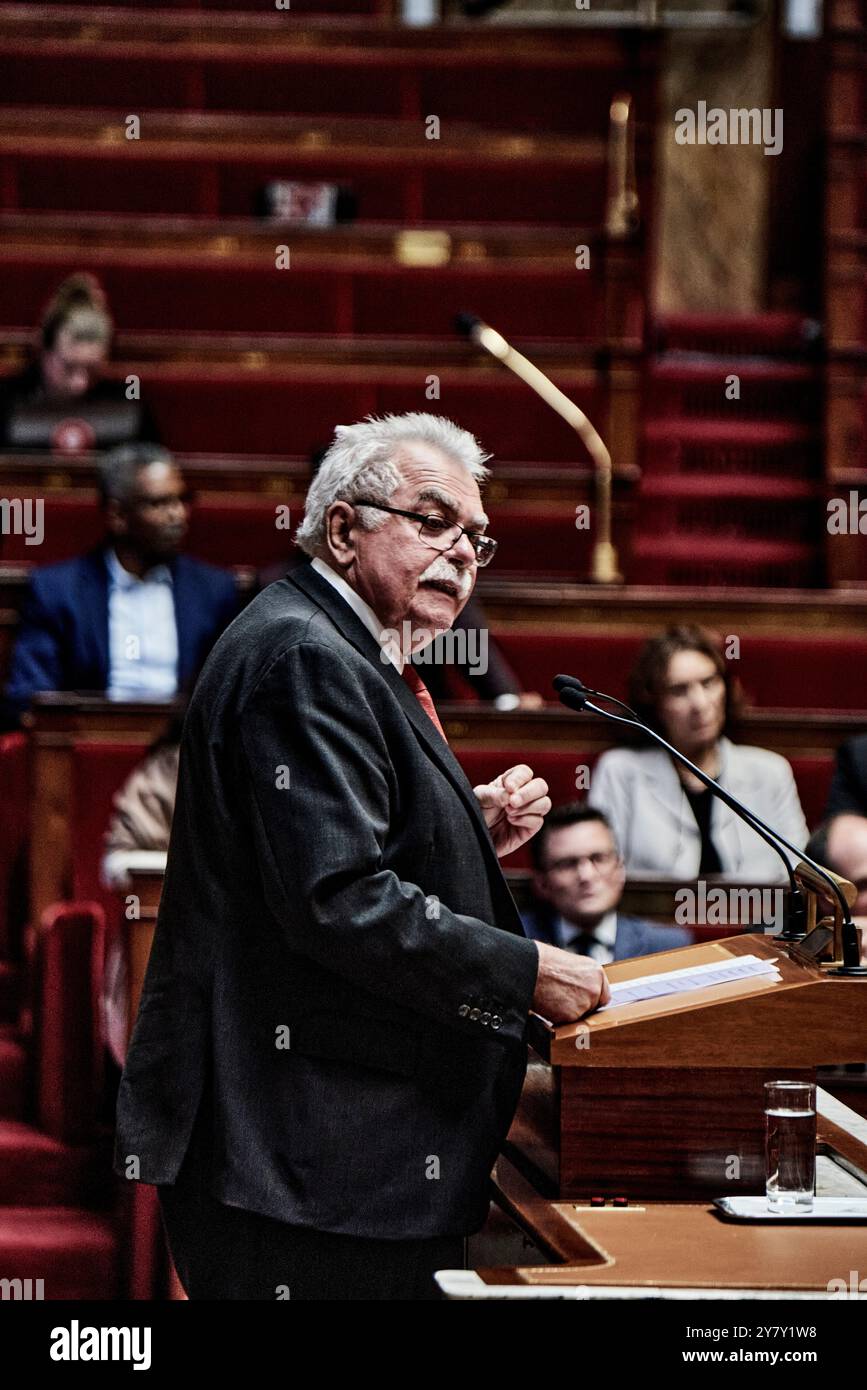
(327, 598)
(187, 647)
(663, 782)
(94, 614)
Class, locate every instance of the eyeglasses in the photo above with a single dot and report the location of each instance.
(602, 860)
(440, 533)
(161, 503)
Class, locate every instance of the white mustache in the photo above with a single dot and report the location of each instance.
(442, 569)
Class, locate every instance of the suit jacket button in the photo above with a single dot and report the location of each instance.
(475, 1015)
(496, 1021)
(486, 1018)
(464, 1010)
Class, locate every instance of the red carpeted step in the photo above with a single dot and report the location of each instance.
(38, 1171)
(13, 1078)
(737, 487)
(729, 431)
(766, 333)
(74, 1252)
(715, 448)
(723, 562)
(682, 386)
(683, 547)
(737, 508)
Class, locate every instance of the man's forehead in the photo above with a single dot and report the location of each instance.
(581, 830)
(430, 474)
(156, 475)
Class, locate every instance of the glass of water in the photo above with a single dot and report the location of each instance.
(790, 1145)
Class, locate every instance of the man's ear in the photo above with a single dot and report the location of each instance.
(340, 524)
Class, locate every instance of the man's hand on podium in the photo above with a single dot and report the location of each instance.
(568, 986)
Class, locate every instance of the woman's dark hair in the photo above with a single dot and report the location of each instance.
(648, 677)
(80, 305)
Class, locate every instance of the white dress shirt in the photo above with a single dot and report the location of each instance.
(362, 609)
(142, 633)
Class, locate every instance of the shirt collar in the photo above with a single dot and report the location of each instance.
(125, 579)
(362, 609)
(605, 932)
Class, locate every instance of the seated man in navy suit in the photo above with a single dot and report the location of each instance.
(133, 617)
(578, 878)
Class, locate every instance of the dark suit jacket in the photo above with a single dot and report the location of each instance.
(62, 641)
(339, 970)
(848, 792)
(634, 937)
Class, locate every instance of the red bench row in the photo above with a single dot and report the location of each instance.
(219, 294)
(412, 188)
(220, 410)
(536, 540)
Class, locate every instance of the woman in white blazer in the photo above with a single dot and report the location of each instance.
(664, 821)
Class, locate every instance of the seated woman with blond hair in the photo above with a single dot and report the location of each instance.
(665, 821)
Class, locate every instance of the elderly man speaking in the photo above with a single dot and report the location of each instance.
(330, 1044)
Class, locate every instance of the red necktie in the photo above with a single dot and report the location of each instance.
(423, 695)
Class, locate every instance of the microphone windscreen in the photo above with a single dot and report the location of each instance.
(567, 682)
(467, 324)
(573, 698)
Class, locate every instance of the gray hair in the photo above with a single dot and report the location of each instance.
(360, 462)
(119, 468)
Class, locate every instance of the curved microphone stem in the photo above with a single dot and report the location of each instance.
(605, 564)
(573, 694)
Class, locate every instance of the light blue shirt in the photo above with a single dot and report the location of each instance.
(142, 633)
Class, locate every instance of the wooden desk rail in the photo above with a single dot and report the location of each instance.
(324, 40)
(61, 720)
(239, 240)
(374, 141)
(46, 475)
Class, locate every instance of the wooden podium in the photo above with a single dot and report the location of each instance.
(663, 1100)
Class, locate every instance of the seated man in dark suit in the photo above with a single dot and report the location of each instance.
(133, 617)
(848, 794)
(578, 880)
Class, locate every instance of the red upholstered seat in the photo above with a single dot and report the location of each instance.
(534, 540)
(364, 297)
(99, 771)
(204, 184)
(69, 1074)
(74, 1251)
(13, 839)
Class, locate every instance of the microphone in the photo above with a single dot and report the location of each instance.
(575, 695)
(482, 335)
